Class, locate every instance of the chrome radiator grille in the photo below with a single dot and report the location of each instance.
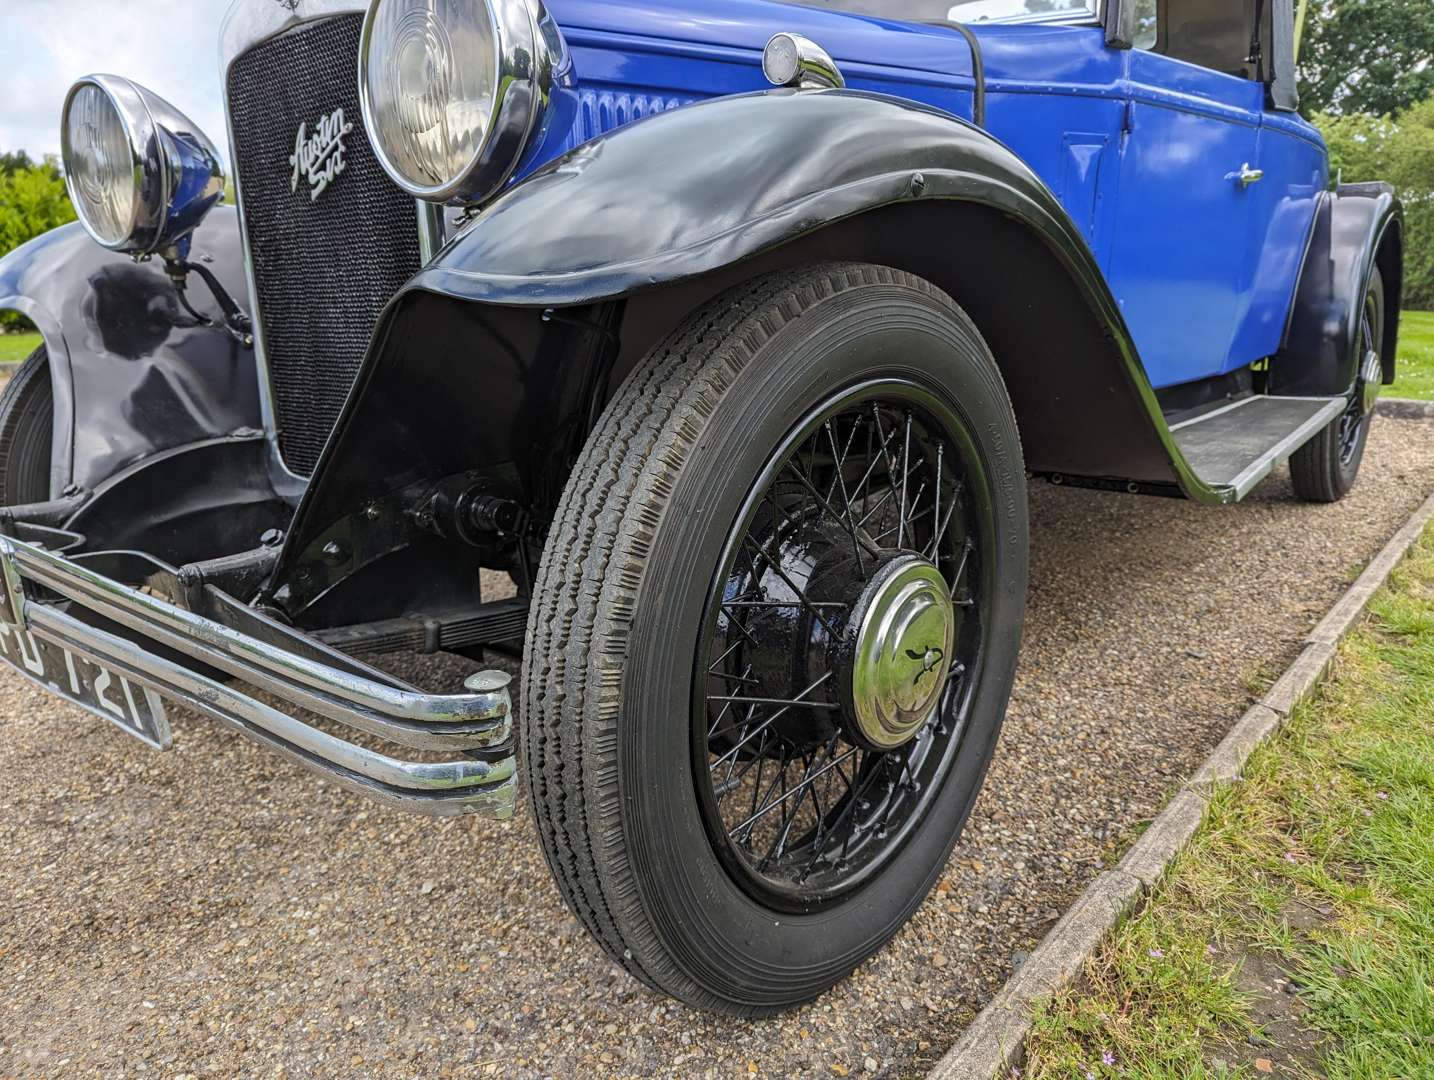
(326, 255)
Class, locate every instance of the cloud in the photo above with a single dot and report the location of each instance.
(168, 46)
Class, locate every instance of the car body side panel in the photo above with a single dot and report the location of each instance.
(1296, 167)
(133, 373)
(1184, 245)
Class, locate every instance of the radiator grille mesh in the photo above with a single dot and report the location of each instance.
(323, 267)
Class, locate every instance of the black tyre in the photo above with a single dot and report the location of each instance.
(774, 633)
(27, 411)
(1325, 468)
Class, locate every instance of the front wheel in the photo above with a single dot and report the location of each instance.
(774, 634)
(27, 412)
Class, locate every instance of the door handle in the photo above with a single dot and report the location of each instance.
(1248, 176)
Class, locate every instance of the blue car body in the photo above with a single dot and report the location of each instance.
(1143, 152)
(1140, 148)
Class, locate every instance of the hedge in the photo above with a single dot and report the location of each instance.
(1400, 150)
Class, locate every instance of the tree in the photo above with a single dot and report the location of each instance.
(1401, 151)
(1370, 56)
(33, 200)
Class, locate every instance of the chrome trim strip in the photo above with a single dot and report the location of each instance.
(1231, 407)
(432, 230)
(1261, 468)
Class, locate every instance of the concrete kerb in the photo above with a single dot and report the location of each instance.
(995, 1040)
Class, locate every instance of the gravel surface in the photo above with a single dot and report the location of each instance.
(216, 911)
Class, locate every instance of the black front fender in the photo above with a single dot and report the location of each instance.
(133, 374)
(692, 191)
(486, 361)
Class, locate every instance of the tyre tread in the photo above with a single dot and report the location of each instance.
(586, 592)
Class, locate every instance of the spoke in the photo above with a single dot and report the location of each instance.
(789, 818)
(721, 659)
(777, 569)
(905, 477)
(941, 530)
(864, 485)
(891, 493)
(734, 778)
(795, 791)
(736, 678)
(839, 457)
(846, 499)
(940, 451)
(766, 804)
(790, 703)
(910, 521)
(772, 719)
(786, 604)
(891, 469)
(856, 531)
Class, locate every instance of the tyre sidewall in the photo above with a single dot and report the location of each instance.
(721, 936)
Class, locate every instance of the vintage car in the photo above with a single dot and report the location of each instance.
(733, 332)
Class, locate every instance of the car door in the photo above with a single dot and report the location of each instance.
(1180, 264)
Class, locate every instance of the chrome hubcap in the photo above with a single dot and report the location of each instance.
(902, 657)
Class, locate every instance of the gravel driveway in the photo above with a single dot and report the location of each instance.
(216, 911)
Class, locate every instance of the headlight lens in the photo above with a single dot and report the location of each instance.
(102, 172)
(432, 113)
(140, 173)
(452, 91)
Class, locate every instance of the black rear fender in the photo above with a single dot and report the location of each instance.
(1358, 228)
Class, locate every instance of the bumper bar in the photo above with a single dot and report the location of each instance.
(183, 654)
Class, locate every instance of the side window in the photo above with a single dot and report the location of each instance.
(1214, 34)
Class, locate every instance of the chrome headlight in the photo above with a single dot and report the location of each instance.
(453, 91)
(140, 173)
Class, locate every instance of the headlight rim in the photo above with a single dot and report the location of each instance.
(165, 147)
(522, 95)
(108, 85)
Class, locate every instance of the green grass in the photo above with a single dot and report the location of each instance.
(14, 347)
(1319, 867)
(1415, 369)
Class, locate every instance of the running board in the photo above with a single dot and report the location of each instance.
(1237, 446)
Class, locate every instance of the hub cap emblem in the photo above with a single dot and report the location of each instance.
(900, 665)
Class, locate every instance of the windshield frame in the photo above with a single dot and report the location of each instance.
(1058, 18)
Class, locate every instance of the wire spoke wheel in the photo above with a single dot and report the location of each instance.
(775, 632)
(843, 628)
(1356, 418)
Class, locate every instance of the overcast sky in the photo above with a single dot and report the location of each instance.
(169, 46)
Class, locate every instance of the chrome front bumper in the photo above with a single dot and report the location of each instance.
(155, 642)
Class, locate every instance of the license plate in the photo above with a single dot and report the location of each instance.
(87, 683)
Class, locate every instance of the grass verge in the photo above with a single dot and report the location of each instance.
(1415, 369)
(16, 347)
(1295, 936)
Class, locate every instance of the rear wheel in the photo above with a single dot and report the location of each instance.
(1325, 468)
(774, 634)
(27, 412)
